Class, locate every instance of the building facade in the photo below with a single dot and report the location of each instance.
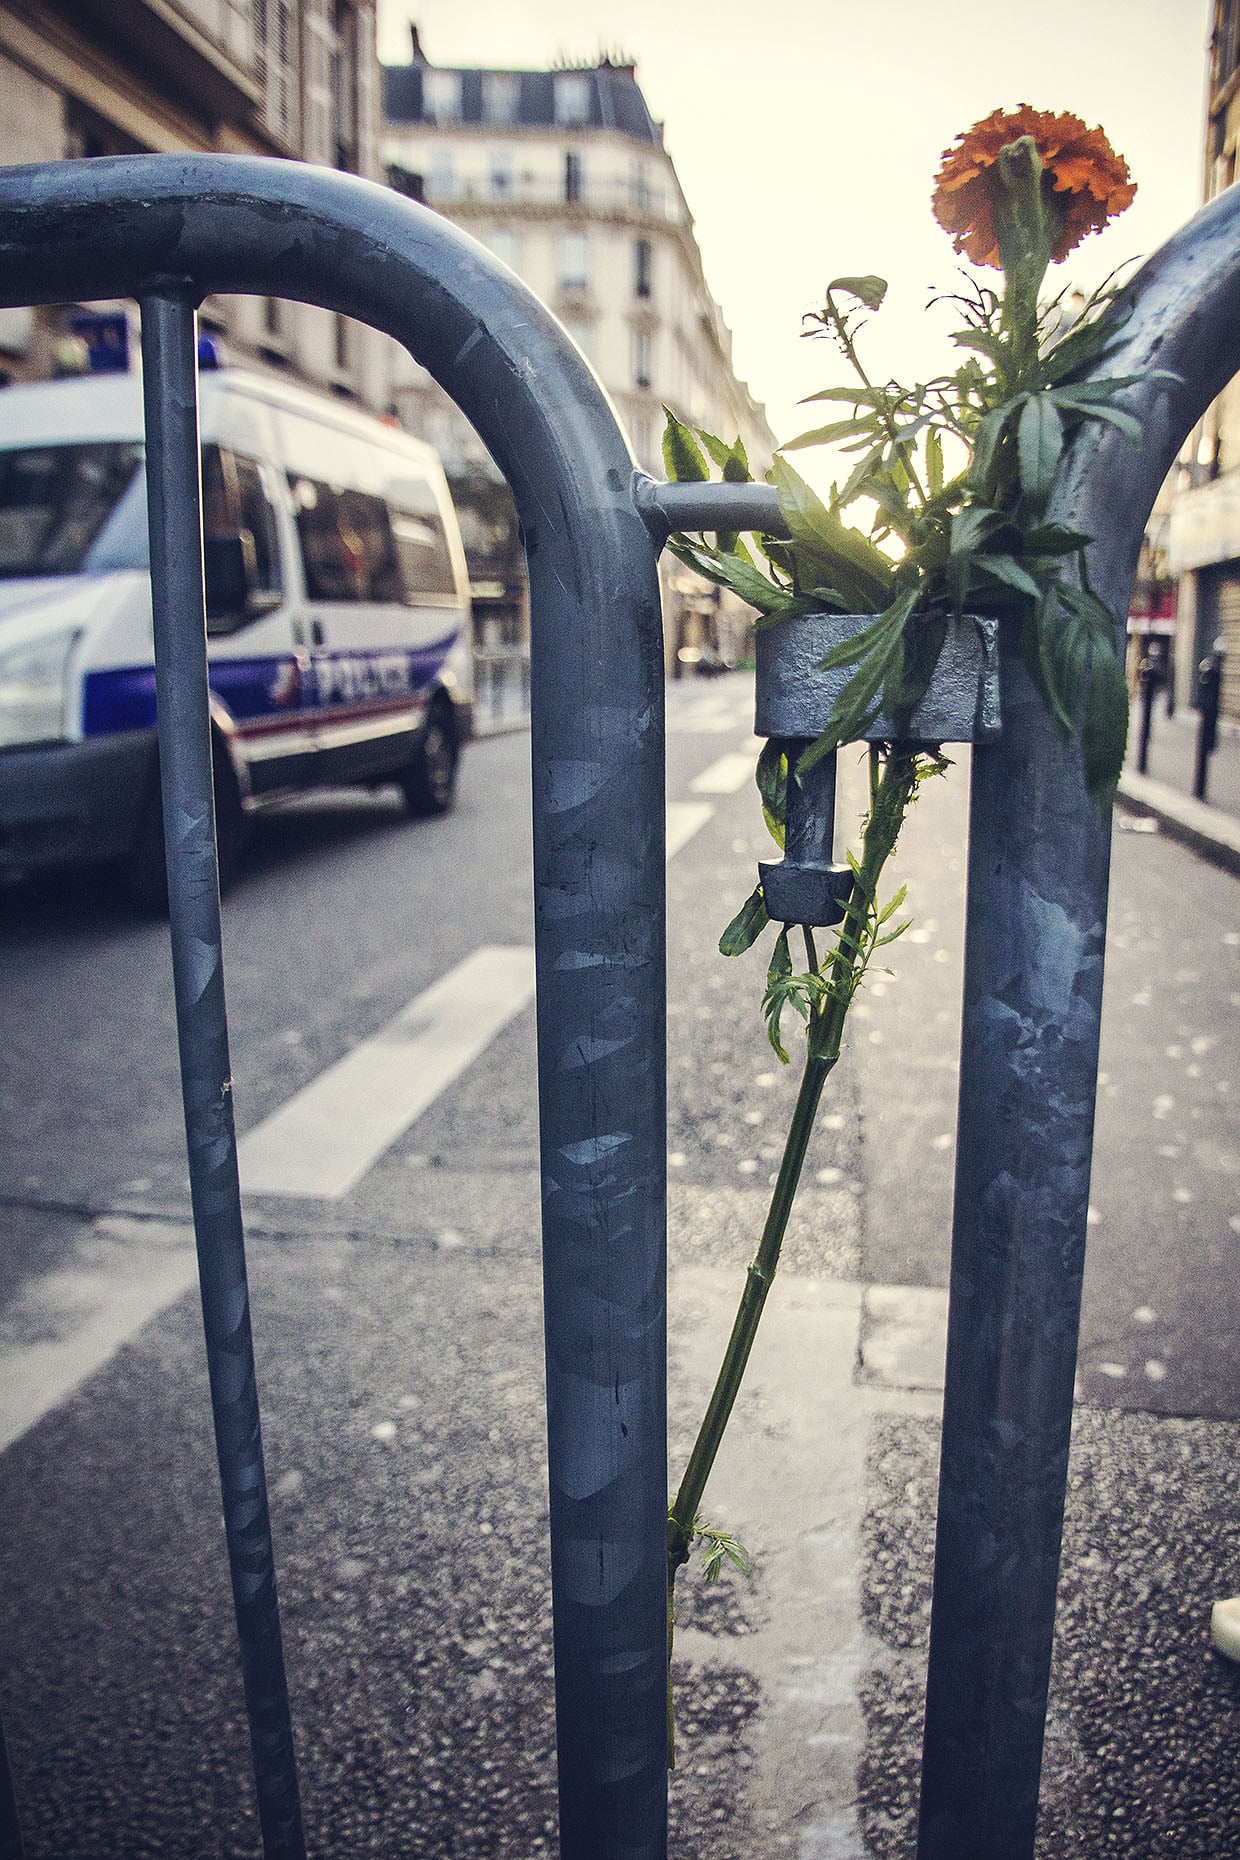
(564, 176)
(1203, 532)
(292, 78)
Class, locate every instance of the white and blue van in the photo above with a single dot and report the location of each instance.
(338, 616)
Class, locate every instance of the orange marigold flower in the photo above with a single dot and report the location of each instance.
(1089, 181)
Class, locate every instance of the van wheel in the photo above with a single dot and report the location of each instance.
(145, 875)
(429, 780)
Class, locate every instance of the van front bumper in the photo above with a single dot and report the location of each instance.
(72, 803)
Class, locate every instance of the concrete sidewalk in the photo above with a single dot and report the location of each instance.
(1164, 794)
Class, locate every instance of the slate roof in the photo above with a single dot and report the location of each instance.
(615, 100)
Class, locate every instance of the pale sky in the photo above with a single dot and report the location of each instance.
(807, 136)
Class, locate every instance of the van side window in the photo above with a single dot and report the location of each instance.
(357, 547)
(54, 502)
(259, 520)
(346, 544)
(425, 561)
(235, 504)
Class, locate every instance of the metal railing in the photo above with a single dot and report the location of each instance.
(168, 230)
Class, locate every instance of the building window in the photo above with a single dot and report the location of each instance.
(503, 241)
(276, 51)
(639, 185)
(642, 268)
(571, 97)
(440, 182)
(573, 261)
(501, 96)
(344, 345)
(441, 96)
(642, 439)
(642, 365)
(501, 174)
(342, 57)
(572, 176)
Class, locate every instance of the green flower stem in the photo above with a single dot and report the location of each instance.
(891, 791)
(758, 1281)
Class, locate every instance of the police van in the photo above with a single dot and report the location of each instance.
(337, 602)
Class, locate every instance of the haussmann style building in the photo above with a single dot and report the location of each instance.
(564, 176)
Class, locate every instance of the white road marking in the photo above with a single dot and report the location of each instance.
(708, 716)
(67, 1324)
(64, 1326)
(327, 1136)
(684, 819)
(323, 1140)
(726, 775)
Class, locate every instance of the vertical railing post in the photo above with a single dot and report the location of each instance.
(170, 394)
(1029, 1053)
(10, 1823)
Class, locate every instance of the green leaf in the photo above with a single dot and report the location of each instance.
(1039, 445)
(1087, 393)
(1081, 345)
(746, 927)
(828, 435)
(718, 449)
(1104, 733)
(857, 705)
(971, 526)
(740, 576)
(736, 465)
(934, 463)
(868, 290)
(1092, 613)
(990, 431)
(987, 342)
(861, 572)
(778, 976)
(856, 645)
(771, 776)
(682, 456)
(860, 480)
(1127, 423)
(1041, 640)
(893, 904)
(1053, 539)
(1007, 569)
(855, 397)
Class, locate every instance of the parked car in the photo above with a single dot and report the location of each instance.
(337, 616)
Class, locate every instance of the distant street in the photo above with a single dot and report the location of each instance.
(397, 1325)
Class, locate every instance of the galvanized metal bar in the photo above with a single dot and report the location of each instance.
(118, 227)
(170, 395)
(693, 507)
(1038, 870)
(11, 1847)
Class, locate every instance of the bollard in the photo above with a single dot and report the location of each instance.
(1148, 684)
(1209, 692)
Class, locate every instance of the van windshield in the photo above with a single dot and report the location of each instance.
(55, 501)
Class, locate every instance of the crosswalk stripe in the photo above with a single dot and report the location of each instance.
(321, 1142)
(726, 775)
(684, 819)
(326, 1137)
(66, 1324)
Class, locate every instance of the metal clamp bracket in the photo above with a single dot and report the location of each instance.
(794, 701)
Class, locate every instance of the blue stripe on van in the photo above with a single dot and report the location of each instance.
(254, 689)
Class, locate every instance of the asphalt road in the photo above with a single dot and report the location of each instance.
(398, 1336)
